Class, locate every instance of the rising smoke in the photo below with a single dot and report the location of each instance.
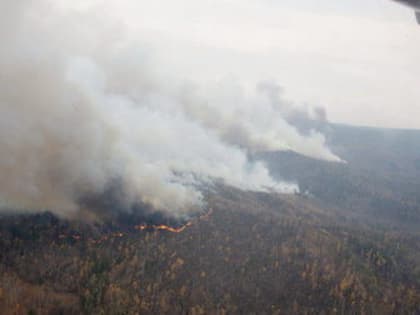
(83, 108)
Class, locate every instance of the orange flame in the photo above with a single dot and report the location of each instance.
(142, 227)
(163, 227)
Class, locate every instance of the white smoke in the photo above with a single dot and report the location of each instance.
(81, 109)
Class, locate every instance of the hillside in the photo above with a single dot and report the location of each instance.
(348, 244)
(379, 183)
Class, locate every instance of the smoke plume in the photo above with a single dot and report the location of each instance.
(83, 108)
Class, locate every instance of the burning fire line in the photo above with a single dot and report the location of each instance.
(163, 227)
(142, 227)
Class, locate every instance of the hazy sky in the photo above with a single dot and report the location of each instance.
(359, 59)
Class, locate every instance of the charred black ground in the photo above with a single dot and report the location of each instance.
(112, 209)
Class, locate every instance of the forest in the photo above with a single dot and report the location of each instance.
(347, 244)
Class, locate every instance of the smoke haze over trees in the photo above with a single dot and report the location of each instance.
(83, 106)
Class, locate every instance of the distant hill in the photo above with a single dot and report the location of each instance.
(380, 181)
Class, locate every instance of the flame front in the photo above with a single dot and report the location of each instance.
(163, 227)
(141, 227)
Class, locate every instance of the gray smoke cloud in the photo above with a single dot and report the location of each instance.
(82, 107)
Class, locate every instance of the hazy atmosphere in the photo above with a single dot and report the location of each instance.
(99, 92)
(358, 59)
(86, 108)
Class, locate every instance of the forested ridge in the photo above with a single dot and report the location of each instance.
(349, 243)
